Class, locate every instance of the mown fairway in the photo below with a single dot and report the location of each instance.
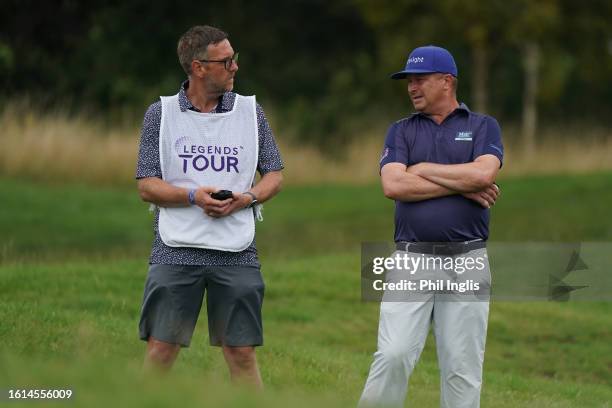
(73, 261)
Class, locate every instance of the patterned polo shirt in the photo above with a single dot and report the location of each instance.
(149, 166)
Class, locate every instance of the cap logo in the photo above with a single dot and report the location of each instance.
(427, 60)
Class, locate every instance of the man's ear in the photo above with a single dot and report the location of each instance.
(448, 81)
(197, 68)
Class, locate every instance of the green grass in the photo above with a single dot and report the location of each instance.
(46, 222)
(74, 260)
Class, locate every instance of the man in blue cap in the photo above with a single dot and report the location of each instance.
(439, 166)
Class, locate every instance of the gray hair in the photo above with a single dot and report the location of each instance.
(193, 44)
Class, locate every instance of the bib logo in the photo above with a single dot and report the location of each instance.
(215, 158)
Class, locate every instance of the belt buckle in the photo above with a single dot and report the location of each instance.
(412, 247)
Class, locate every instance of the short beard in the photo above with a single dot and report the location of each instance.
(219, 89)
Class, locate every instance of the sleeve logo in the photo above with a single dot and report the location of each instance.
(385, 153)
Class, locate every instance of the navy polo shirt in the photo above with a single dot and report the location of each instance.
(460, 138)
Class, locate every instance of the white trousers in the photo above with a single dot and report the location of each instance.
(460, 329)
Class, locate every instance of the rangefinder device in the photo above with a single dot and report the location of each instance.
(222, 195)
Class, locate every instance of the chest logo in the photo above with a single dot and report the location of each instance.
(207, 158)
(464, 136)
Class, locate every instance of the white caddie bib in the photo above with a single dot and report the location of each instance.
(208, 149)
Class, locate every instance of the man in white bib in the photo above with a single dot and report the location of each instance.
(193, 145)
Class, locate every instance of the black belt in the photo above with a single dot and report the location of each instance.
(440, 248)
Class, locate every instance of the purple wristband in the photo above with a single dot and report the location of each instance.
(192, 197)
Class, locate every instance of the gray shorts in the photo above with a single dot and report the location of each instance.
(173, 298)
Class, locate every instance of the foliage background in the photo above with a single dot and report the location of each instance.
(322, 66)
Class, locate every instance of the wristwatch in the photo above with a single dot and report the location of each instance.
(253, 196)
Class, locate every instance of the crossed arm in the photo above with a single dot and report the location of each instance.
(422, 181)
(157, 191)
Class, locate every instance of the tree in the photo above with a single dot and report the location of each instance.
(533, 24)
(480, 24)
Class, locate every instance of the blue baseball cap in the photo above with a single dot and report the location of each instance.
(428, 59)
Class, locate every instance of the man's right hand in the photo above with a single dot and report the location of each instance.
(486, 197)
(213, 208)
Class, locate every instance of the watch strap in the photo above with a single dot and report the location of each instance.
(253, 196)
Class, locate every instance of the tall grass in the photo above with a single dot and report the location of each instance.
(56, 147)
(59, 147)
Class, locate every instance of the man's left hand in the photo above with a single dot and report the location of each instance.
(486, 197)
(238, 202)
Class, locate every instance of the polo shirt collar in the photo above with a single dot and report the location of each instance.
(225, 101)
(462, 108)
